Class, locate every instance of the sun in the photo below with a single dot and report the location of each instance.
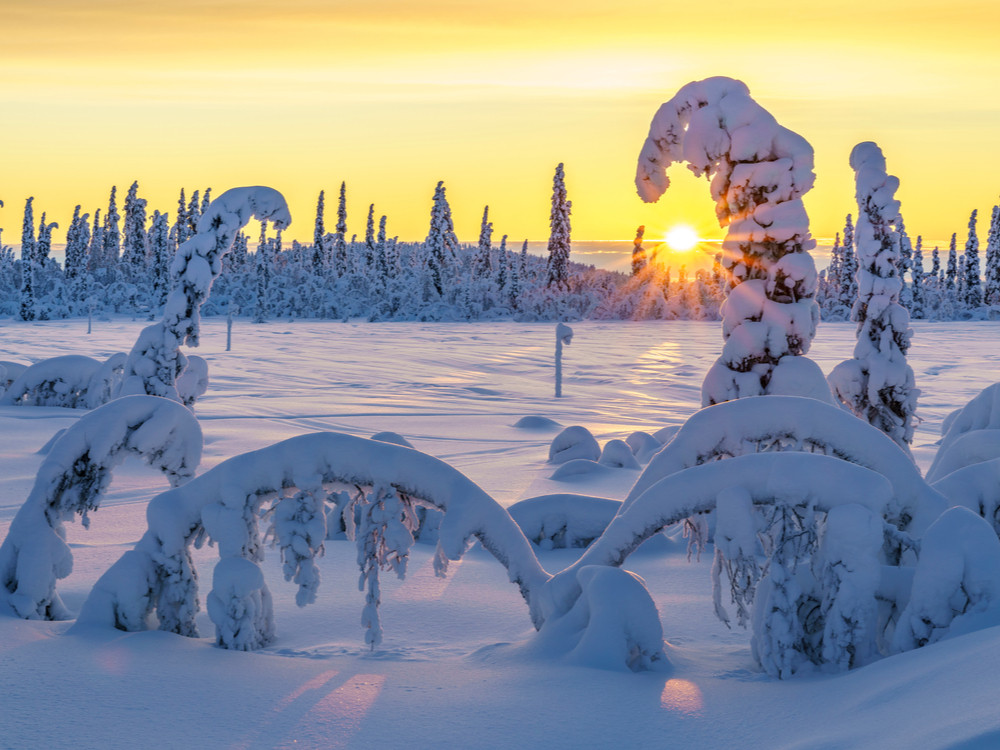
(681, 238)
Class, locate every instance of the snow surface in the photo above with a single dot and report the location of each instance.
(455, 667)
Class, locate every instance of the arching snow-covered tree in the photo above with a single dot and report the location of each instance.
(71, 480)
(559, 232)
(877, 384)
(759, 172)
(156, 359)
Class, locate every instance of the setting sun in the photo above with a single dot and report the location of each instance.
(681, 238)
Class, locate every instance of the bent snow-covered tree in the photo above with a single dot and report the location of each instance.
(292, 480)
(759, 172)
(156, 359)
(71, 480)
(877, 384)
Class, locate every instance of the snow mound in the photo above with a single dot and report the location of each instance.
(535, 422)
(643, 446)
(618, 455)
(564, 519)
(956, 586)
(72, 381)
(572, 443)
(614, 624)
(577, 469)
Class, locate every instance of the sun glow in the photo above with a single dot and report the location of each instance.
(681, 238)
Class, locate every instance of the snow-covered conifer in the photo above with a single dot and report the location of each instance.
(502, 274)
(192, 213)
(95, 251)
(760, 171)
(638, 253)
(181, 228)
(134, 249)
(77, 238)
(441, 245)
(319, 237)
(262, 276)
(877, 384)
(368, 256)
(992, 271)
(918, 293)
(161, 251)
(156, 361)
(951, 270)
(112, 234)
(339, 249)
(559, 232)
(904, 264)
(28, 263)
(483, 250)
(206, 201)
(848, 267)
(972, 296)
(381, 253)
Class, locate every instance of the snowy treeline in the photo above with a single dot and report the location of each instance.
(374, 276)
(935, 285)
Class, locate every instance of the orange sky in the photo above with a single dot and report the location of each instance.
(392, 96)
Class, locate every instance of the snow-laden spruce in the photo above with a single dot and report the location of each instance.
(759, 172)
(71, 480)
(156, 361)
(72, 381)
(877, 384)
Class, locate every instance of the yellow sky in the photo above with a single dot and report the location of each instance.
(393, 95)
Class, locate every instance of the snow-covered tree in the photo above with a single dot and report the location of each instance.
(848, 268)
(760, 171)
(161, 252)
(367, 265)
(28, 262)
(918, 293)
(992, 274)
(877, 384)
(112, 234)
(559, 232)
(319, 259)
(972, 287)
(181, 228)
(77, 239)
(156, 361)
(134, 248)
(484, 249)
(262, 277)
(95, 251)
(638, 253)
(339, 246)
(441, 245)
(70, 482)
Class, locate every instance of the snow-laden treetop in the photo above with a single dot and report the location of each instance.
(720, 131)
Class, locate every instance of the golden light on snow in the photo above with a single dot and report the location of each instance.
(682, 696)
(681, 238)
